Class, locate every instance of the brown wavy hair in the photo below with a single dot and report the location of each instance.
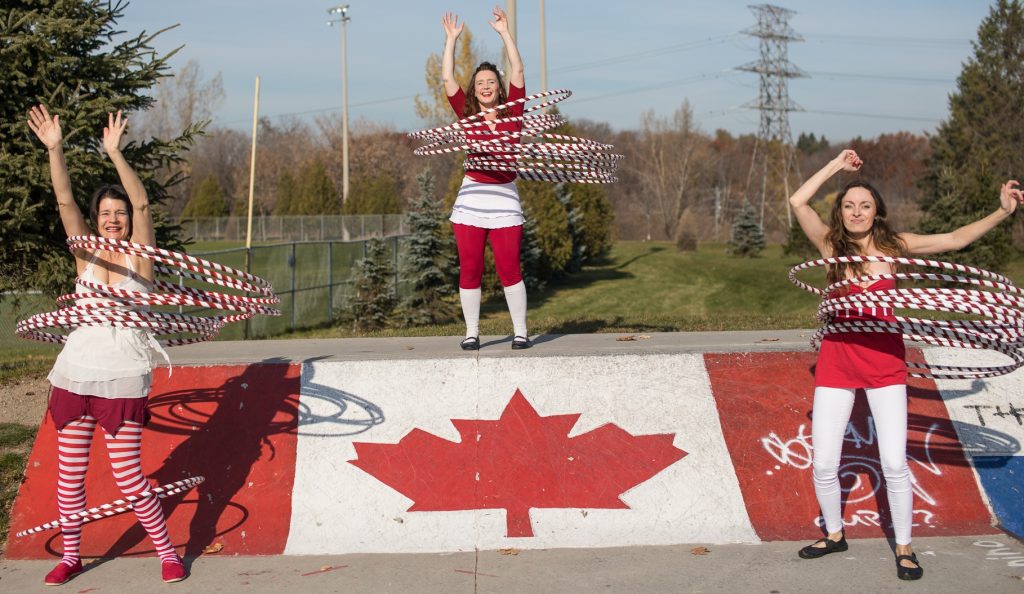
(842, 244)
(472, 105)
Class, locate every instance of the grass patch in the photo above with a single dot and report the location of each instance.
(17, 365)
(15, 443)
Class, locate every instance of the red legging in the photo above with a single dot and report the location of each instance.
(505, 246)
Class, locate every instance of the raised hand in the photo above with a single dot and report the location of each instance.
(46, 128)
(849, 160)
(500, 22)
(1010, 195)
(451, 24)
(113, 132)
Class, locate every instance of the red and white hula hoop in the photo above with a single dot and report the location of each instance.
(995, 306)
(116, 507)
(114, 307)
(531, 152)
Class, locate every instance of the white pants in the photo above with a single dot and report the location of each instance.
(831, 415)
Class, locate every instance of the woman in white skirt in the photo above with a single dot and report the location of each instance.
(487, 208)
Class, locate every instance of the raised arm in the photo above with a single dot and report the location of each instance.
(452, 30)
(1010, 195)
(500, 24)
(142, 217)
(47, 129)
(814, 228)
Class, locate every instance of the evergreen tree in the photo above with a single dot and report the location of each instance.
(575, 228)
(747, 236)
(286, 197)
(374, 195)
(317, 194)
(551, 227)
(978, 147)
(69, 55)
(530, 257)
(373, 291)
(208, 201)
(428, 258)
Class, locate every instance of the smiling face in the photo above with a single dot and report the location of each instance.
(858, 210)
(486, 88)
(113, 218)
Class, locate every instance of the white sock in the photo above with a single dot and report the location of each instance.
(470, 299)
(515, 296)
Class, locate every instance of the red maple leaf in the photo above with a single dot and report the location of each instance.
(519, 462)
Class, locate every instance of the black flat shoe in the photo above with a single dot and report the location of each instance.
(521, 342)
(470, 343)
(908, 573)
(831, 546)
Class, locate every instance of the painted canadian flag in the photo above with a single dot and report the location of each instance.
(518, 462)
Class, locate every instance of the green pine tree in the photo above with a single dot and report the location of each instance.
(374, 195)
(373, 292)
(427, 260)
(978, 147)
(530, 257)
(208, 201)
(574, 220)
(747, 236)
(70, 55)
(286, 197)
(317, 194)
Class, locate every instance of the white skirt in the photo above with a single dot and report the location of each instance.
(488, 206)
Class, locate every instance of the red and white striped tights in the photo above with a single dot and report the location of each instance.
(125, 461)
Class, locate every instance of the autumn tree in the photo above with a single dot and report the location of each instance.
(670, 162)
(978, 147)
(434, 108)
(70, 55)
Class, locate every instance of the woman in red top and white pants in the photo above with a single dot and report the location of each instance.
(487, 208)
(872, 361)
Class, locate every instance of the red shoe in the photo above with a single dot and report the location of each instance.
(172, 570)
(62, 573)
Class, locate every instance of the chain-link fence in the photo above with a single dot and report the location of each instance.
(313, 280)
(296, 228)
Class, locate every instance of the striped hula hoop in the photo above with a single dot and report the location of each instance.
(105, 305)
(116, 507)
(995, 306)
(531, 152)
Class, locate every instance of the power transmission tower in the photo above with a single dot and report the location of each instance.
(773, 156)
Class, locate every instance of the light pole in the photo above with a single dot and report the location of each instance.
(342, 11)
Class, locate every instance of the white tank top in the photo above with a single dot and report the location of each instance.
(107, 361)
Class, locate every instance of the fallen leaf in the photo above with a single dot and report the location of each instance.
(626, 338)
(509, 551)
(214, 548)
(699, 551)
(516, 463)
(324, 569)
(769, 340)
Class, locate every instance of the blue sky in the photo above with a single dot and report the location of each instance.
(876, 66)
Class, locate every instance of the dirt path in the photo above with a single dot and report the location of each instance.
(23, 400)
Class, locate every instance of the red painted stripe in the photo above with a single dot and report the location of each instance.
(764, 402)
(235, 425)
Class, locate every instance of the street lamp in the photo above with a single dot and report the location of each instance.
(342, 13)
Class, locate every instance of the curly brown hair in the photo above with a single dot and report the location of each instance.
(472, 105)
(838, 238)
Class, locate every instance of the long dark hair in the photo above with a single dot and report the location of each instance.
(842, 244)
(472, 105)
(109, 191)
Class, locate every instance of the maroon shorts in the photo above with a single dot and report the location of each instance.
(110, 413)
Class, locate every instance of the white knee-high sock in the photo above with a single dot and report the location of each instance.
(515, 296)
(470, 299)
